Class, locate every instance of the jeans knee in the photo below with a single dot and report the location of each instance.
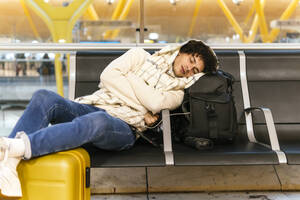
(93, 122)
(104, 119)
(45, 97)
(41, 94)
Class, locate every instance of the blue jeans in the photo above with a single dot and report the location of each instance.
(72, 125)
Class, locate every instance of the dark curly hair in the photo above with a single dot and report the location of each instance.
(199, 48)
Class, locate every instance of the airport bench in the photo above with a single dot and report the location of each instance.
(274, 82)
(267, 82)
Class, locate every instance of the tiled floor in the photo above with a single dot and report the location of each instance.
(8, 118)
(205, 196)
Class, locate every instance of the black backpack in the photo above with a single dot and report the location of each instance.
(212, 117)
(206, 117)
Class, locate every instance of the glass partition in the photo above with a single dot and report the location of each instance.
(215, 21)
(112, 22)
(103, 21)
(23, 73)
(222, 21)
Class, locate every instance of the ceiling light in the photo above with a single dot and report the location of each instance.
(153, 36)
(110, 1)
(173, 2)
(236, 37)
(237, 2)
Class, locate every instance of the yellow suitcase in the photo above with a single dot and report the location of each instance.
(59, 176)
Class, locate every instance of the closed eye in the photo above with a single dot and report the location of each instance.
(192, 59)
(196, 70)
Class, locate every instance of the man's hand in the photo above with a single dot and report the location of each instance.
(150, 119)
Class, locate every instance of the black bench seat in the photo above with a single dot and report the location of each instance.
(240, 153)
(257, 142)
(139, 155)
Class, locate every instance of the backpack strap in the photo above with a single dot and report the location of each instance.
(212, 121)
(229, 78)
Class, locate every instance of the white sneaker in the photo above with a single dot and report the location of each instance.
(10, 186)
(4, 146)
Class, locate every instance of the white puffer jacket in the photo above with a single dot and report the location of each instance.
(128, 93)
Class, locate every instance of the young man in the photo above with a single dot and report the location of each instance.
(134, 88)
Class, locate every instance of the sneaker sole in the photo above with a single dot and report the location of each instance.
(2, 196)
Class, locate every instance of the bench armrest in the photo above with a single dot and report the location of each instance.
(72, 76)
(271, 131)
(169, 157)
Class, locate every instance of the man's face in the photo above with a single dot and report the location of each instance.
(186, 65)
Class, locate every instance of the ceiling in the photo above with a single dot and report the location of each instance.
(170, 21)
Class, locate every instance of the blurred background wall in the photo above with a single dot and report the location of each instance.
(165, 21)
